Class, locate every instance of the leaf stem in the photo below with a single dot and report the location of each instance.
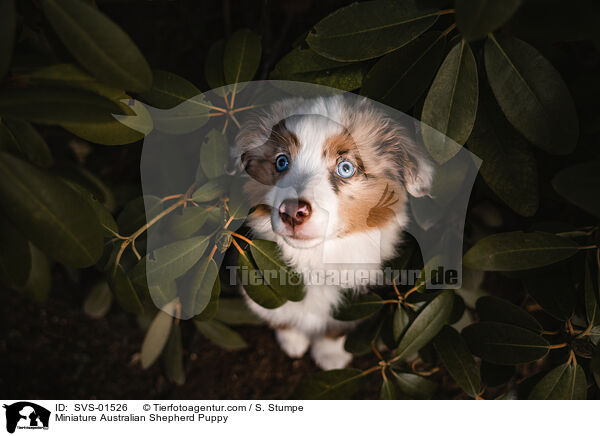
(556, 346)
(243, 238)
(586, 331)
(410, 291)
(243, 108)
(449, 29)
(376, 351)
(239, 249)
(370, 370)
(546, 332)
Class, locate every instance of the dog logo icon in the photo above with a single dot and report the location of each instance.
(26, 415)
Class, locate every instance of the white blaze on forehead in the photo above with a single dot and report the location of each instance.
(312, 132)
(308, 175)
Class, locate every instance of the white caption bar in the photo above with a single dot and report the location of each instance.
(288, 418)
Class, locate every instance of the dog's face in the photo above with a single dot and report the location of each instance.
(323, 169)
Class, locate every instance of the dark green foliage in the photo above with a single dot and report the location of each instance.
(330, 385)
(565, 382)
(514, 81)
(458, 360)
(505, 344)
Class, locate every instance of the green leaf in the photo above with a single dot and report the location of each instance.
(368, 30)
(72, 76)
(239, 203)
(532, 94)
(579, 185)
(280, 277)
(57, 105)
(388, 391)
(101, 46)
(414, 386)
(173, 260)
(591, 295)
(401, 321)
(168, 90)
(553, 289)
(357, 306)
(186, 117)
(137, 212)
(514, 251)
(78, 176)
(336, 384)
(304, 65)
(257, 290)
(235, 311)
(457, 359)
(157, 335)
(595, 366)
(188, 221)
(125, 293)
(162, 293)
(427, 324)
(221, 335)
(210, 191)
(565, 382)
(42, 207)
(29, 142)
(401, 77)
(173, 357)
(504, 344)
(115, 129)
(8, 27)
(213, 65)
(509, 166)
(39, 282)
(104, 217)
(98, 302)
(214, 154)
(360, 340)
(15, 256)
(241, 57)
(8, 142)
(451, 103)
(303, 61)
(500, 310)
(476, 18)
(210, 311)
(199, 285)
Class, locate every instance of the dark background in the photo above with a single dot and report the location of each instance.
(55, 350)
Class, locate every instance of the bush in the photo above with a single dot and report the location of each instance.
(514, 85)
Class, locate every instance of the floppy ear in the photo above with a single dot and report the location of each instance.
(419, 176)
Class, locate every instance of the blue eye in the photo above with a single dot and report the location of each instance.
(282, 163)
(345, 169)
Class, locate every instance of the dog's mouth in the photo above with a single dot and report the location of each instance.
(299, 238)
(301, 241)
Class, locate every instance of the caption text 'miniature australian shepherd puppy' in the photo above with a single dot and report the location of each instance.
(331, 178)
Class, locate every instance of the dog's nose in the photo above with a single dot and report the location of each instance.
(294, 212)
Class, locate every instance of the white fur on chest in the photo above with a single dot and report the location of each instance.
(313, 315)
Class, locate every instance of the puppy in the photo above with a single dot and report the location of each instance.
(330, 179)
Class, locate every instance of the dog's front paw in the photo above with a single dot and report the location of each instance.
(330, 354)
(293, 342)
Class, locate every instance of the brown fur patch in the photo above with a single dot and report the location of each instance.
(370, 198)
(259, 161)
(369, 204)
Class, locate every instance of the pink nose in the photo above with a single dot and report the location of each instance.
(294, 212)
